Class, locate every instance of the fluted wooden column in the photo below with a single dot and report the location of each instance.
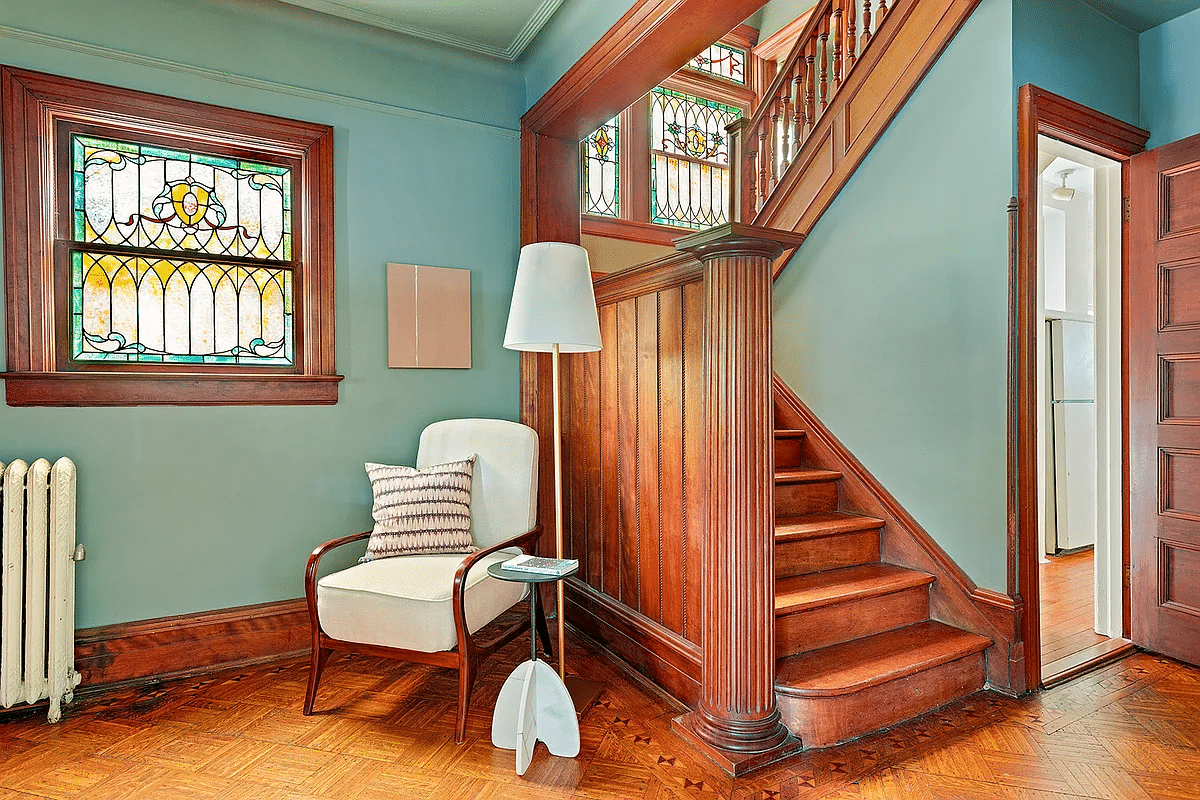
(737, 722)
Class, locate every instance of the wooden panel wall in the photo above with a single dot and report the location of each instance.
(632, 430)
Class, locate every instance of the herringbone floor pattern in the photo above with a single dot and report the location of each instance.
(385, 730)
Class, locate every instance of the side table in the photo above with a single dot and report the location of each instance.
(534, 703)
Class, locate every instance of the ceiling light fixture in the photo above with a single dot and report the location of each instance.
(1063, 193)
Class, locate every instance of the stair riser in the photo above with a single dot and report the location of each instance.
(826, 552)
(793, 499)
(789, 452)
(840, 622)
(825, 721)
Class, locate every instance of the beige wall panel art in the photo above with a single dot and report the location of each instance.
(429, 317)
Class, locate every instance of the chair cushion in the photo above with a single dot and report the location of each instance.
(420, 510)
(406, 601)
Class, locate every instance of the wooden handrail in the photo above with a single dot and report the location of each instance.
(825, 53)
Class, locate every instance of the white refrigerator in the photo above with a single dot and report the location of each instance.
(1073, 422)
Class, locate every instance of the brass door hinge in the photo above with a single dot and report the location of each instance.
(1128, 576)
(1126, 205)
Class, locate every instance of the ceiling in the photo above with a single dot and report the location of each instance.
(500, 28)
(1142, 15)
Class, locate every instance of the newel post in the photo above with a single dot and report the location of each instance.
(737, 722)
(741, 200)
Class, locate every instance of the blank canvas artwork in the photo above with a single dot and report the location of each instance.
(429, 317)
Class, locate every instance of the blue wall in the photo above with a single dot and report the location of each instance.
(1069, 48)
(1170, 80)
(890, 323)
(188, 509)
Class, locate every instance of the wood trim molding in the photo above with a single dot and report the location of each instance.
(954, 597)
(780, 43)
(1042, 112)
(630, 230)
(190, 644)
(671, 270)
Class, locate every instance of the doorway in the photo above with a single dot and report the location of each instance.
(1079, 429)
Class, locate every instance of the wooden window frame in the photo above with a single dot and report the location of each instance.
(40, 111)
(633, 222)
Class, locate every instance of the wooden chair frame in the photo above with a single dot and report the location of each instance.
(465, 657)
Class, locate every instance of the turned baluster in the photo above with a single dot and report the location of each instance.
(785, 129)
(879, 12)
(801, 117)
(810, 85)
(866, 24)
(751, 190)
(837, 44)
(823, 47)
(764, 159)
(776, 102)
(851, 36)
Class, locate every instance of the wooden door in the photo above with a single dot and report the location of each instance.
(1164, 399)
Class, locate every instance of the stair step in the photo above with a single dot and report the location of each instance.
(825, 608)
(824, 540)
(789, 433)
(841, 692)
(789, 448)
(793, 475)
(818, 524)
(803, 592)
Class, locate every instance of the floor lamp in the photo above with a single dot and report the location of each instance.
(554, 311)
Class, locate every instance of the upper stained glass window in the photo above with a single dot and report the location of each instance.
(722, 61)
(689, 159)
(601, 173)
(151, 197)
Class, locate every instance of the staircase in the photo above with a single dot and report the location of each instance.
(855, 646)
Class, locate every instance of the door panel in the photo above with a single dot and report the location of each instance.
(1163, 294)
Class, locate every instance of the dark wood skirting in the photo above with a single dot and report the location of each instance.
(954, 598)
(190, 644)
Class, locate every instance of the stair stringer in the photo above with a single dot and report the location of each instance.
(904, 48)
(954, 598)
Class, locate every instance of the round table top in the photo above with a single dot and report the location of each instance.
(497, 570)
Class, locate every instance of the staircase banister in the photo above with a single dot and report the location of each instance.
(820, 11)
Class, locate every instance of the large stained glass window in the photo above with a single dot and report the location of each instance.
(133, 308)
(130, 307)
(689, 159)
(724, 62)
(601, 172)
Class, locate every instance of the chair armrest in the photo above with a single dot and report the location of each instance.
(526, 541)
(310, 572)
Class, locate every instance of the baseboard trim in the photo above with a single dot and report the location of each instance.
(190, 644)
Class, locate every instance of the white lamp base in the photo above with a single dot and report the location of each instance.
(534, 704)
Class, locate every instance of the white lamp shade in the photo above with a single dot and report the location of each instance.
(553, 301)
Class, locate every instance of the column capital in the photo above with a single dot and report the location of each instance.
(738, 239)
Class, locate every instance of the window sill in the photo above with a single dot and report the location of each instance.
(167, 389)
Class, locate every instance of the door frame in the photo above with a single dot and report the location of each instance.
(1040, 112)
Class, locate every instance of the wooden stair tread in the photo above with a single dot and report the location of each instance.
(788, 433)
(801, 592)
(861, 663)
(822, 523)
(805, 475)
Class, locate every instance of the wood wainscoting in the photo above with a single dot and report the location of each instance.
(190, 644)
(632, 445)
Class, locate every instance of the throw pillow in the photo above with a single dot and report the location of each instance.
(419, 511)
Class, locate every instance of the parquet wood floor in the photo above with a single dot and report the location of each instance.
(385, 730)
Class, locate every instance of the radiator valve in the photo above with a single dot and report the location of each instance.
(80, 553)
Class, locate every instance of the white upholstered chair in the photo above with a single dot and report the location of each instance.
(425, 608)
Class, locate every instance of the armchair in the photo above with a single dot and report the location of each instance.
(427, 608)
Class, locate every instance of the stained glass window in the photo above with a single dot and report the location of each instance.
(689, 159)
(130, 307)
(601, 173)
(133, 308)
(151, 197)
(724, 62)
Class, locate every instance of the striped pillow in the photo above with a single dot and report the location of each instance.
(420, 510)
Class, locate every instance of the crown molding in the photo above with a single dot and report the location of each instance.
(533, 25)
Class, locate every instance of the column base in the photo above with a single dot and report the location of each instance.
(735, 762)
